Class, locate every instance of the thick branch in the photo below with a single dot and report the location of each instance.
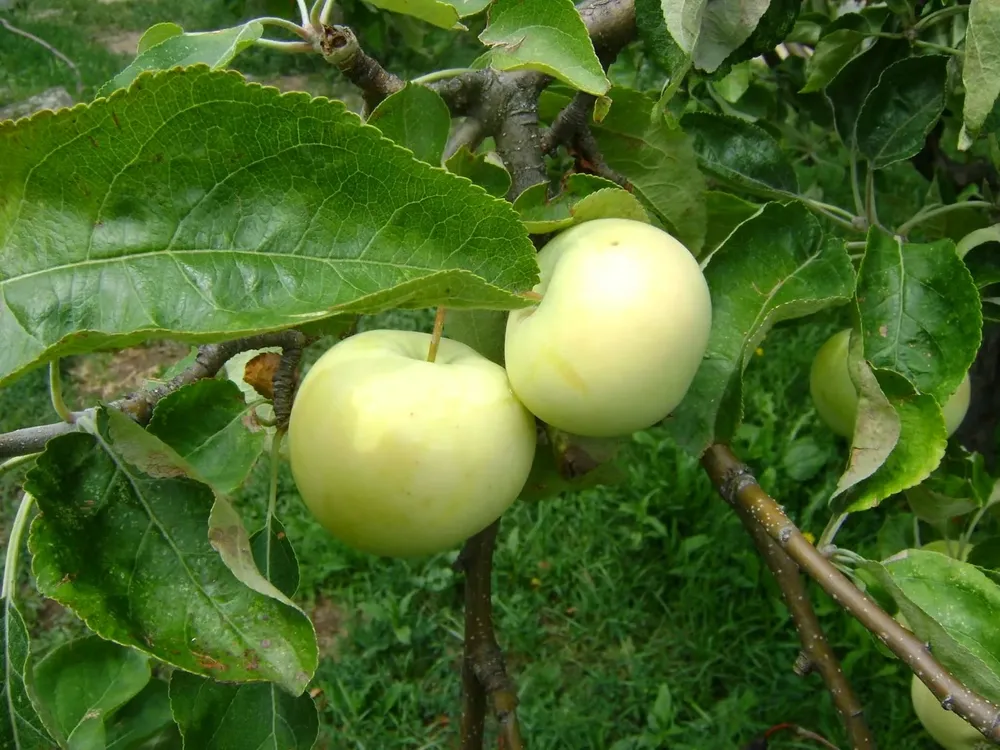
(815, 648)
(739, 488)
(340, 47)
(139, 405)
(611, 24)
(484, 673)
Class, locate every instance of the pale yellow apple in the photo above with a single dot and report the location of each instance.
(398, 456)
(836, 398)
(948, 729)
(620, 332)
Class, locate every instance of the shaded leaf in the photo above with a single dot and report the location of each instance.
(217, 716)
(415, 117)
(901, 110)
(570, 463)
(584, 197)
(832, 53)
(152, 221)
(958, 485)
(143, 721)
(775, 266)
(656, 37)
(166, 46)
(544, 35)
(711, 30)
(21, 728)
(274, 556)
(480, 170)
(981, 66)
(210, 424)
(740, 153)
(483, 330)
(122, 541)
(83, 681)
(725, 212)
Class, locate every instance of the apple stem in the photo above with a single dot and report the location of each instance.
(436, 335)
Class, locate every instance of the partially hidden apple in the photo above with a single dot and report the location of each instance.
(948, 729)
(401, 457)
(836, 398)
(619, 334)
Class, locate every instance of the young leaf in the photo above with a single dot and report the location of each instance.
(83, 681)
(740, 154)
(656, 37)
(122, 541)
(275, 558)
(415, 117)
(920, 312)
(981, 67)
(20, 726)
(493, 178)
(710, 30)
(901, 110)
(775, 266)
(584, 197)
(832, 53)
(169, 211)
(725, 212)
(952, 606)
(217, 716)
(957, 486)
(167, 46)
(483, 330)
(210, 424)
(544, 35)
(444, 14)
(144, 723)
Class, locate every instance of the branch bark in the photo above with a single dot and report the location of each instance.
(815, 648)
(738, 487)
(484, 673)
(340, 47)
(139, 405)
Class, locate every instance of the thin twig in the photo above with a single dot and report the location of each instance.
(340, 46)
(930, 213)
(470, 133)
(738, 487)
(574, 117)
(37, 40)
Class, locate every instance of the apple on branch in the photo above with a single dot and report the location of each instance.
(400, 456)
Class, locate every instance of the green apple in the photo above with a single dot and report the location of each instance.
(620, 331)
(401, 457)
(948, 729)
(836, 398)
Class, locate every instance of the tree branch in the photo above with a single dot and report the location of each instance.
(738, 487)
(816, 651)
(517, 135)
(484, 673)
(340, 46)
(139, 405)
(38, 40)
(611, 24)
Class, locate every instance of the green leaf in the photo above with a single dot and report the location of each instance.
(544, 35)
(832, 53)
(957, 486)
(775, 266)
(144, 722)
(901, 110)
(711, 30)
(199, 207)
(584, 197)
(82, 681)
(656, 38)
(479, 169)
(952, 606)
(725, 212)
(658, 161)
(20, 726)
(740, 153)
(415, 117)
(571, 463)
(981, 67)
(772, 29)
(217, 716)
(444, 14)
(211, 425)
(920, 312)
(976, 238)
(275, 558)
(122, 541)
(483, 330)
(167, 46)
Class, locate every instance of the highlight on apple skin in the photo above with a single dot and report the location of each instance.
(401, 457)
(836, 398)
(621, 330)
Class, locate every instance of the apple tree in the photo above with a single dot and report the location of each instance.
(676, 176)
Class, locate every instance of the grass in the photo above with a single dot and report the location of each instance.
(633, 617)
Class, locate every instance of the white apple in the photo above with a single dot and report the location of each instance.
(401, 457)
(619, 334)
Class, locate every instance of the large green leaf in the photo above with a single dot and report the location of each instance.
(773, 267)
(832, 53)
(166, 46)
(583, 197)
(83, 681)
(901, 110)
(217, 716)
(274, 555)
(20, 726)
(442, 13)
(544, 35)
(123, 541)
(198, 206)
(144, 723)
(740, 153)
(415, 117)
(981, 67)
(710, 30)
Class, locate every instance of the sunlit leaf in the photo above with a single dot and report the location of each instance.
(981, 66)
